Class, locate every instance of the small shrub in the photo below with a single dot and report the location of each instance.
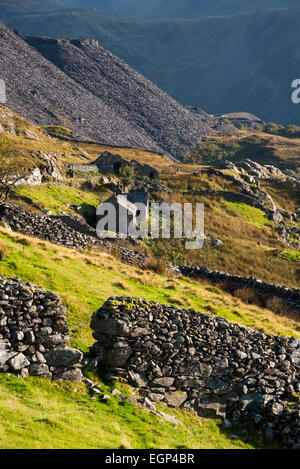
(59, 131)
(89, 262)
(225, 286)
(277, 305)
(120, 285)
(24, 242)
(247, 295)
(291, 255)
(126, 175)
(116, 253)
(158, 266)
(3, 251)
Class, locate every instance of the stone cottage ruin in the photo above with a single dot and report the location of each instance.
(110, 163)
(126, 205)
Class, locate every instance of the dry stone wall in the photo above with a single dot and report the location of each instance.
(200, 362)
(75, 234)
(43, 227)
(291, 296)
(84, 168)
(34, 334)
(66, 231)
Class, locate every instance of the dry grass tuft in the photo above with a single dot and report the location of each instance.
(116, 253)
(120, 285)
(158, 266)
(247, 295)
(3, 250)
(24, 242)
(277, 305)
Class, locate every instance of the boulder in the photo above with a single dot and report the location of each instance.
(64, 357)
(75, 375)
(18, 362)
(175, 398)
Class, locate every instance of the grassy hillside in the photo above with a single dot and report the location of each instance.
(261, 147)
(38, 414)
(28, 138)
(64, 415)
(85, 280)
(246, 233)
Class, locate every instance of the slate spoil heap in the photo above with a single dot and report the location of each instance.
(102, 98)
(194, 360)
(34, 333)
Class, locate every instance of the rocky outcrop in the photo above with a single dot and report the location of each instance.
(231, 178)
(34, 334)
(50, 166)
(193, 360)
(290, 235)
(248, 199)
(253, 170)
(33, 179)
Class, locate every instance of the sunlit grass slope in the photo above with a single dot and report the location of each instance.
(85, 280)
(38, 414)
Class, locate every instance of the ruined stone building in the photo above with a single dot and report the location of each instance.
(110, 163)
(128, 208)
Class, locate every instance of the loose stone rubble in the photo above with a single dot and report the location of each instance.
(193, 360)
(34, 334)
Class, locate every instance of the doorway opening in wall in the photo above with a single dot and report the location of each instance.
(117, 167)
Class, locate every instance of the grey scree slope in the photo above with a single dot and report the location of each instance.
(134, 98)
(97, 93)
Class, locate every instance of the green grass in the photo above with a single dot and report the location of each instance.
(253, 215)
(58, 130)
(36, 413)
(57, 197)
(85, 280)
(291, 255)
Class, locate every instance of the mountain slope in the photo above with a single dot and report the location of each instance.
(195, 8)
(30, 6)
(217, 63)
(125, 91)
(137, 114)
(157, 9)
